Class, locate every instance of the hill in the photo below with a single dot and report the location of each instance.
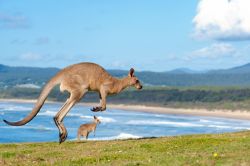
(213, 149)
(237, 76)
(244, 69)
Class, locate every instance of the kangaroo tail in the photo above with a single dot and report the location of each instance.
(43, 96)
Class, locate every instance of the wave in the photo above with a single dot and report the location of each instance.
(87, 117)
(8, 107)
(40, 128)
(102, 119)
(120, 137)
(106, 119)
(150, 122)
(205, 121)
(53, 113)
(229, 127)
(210, 121)
(48, 113)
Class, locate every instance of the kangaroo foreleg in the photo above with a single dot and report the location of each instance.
(102, 106)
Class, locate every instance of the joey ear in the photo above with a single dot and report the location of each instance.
(131, 72)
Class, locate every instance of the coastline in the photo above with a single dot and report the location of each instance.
(238, 114)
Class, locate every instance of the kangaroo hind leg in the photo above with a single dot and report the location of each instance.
(75, 96)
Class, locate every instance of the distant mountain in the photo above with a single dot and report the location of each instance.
(236, 70)
(11, 76)
(237, 76)
(184, 71)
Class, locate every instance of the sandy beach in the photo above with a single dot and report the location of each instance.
(236, 114)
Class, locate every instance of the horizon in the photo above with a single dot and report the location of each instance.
(149, 36)
(184, 69)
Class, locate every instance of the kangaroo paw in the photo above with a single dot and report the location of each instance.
(63, 137)
(96, 109)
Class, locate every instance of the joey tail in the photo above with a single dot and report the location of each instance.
(40, 101)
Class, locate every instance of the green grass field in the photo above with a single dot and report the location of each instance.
(214, 149)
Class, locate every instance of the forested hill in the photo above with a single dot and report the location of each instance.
(237, 76)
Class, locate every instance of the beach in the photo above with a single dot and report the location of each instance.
(235, 114)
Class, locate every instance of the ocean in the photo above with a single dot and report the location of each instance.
(116, 124)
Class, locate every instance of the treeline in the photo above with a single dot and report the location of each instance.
(156, 96)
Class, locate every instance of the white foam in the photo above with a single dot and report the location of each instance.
(74, 115)
(106, 119)
(53, 113)
(150, 122)
(14, 108)
(29, 127)
(229, 127)
(102, 119)
(48, 113)
(86, 116)
(210, 121)
(126, 136)
(205, 121)
(120, 136)
(159, 115)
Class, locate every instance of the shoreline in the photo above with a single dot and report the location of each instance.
(238, 114)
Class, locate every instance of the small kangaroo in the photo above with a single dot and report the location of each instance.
(78, 79)
(85, 129)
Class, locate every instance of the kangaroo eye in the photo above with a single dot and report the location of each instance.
(137, 81)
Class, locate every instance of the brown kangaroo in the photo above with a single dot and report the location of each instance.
(85, 129)
(78, 79)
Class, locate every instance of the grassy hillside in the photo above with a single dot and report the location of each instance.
(217, 149)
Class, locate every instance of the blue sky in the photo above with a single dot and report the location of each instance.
(147, 35)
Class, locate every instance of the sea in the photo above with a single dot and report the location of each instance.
(115, 123)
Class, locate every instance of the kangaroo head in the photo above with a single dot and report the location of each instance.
(96, 120)
(134, 81)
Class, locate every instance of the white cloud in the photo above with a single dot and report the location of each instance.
(223, 20)
(216, 50)
(30, 56)
(16, 21)
(117, 64)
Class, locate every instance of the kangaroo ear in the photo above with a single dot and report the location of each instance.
(94, 117)
(131, 72)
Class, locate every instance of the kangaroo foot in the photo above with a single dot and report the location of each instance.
(62, 131)
(96, 109)
(63, 137)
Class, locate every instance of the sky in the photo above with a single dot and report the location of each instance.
(151, 35)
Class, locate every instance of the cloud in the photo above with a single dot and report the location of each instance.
(42, 41)
(16, 21)
(223, 20)
(30, 56)
(18, 41)
(118, 65)
(214, 51)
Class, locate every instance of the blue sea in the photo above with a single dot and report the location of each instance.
(116, 124)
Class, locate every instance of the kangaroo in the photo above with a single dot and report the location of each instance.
(85, 129)
(78, 79)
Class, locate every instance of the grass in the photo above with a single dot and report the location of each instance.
(214, 149)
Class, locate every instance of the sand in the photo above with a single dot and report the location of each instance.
(236, 114)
